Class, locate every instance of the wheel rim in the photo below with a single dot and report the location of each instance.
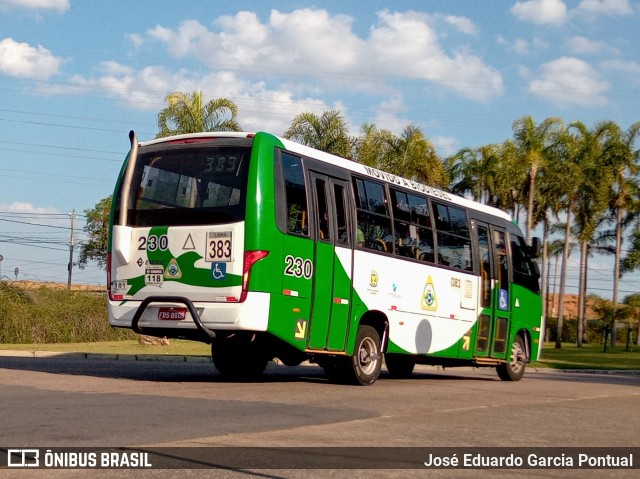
(517, 354)
(368, 356)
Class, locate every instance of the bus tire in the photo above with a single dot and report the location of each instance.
(366, 362)
(400, 366)
(513, 369)
(238, 360)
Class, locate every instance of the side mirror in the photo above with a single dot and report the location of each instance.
(536, 247)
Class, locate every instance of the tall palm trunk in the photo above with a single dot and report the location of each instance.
(532, 194)
(544, 280)
(563, 277)
(616, 272)
(582, 291)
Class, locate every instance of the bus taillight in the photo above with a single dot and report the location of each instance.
(109, 275)
(110, 294)
(250, 258)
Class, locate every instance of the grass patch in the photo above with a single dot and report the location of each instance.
(589, 356)
(47, 315)
(176, 347)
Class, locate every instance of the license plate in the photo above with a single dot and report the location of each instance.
(172, 314)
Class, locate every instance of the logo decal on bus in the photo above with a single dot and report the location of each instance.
(429, 301)
(173, 270)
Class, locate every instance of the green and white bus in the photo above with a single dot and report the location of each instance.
(266, 249)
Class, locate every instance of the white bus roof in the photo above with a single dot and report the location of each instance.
(348, 165)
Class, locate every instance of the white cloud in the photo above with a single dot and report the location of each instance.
(21, 207)
(260, 108)
(582, 45)
(334, 54)
(570, 81)
(541, 12)
(605, 7)
(622, 66)
(632, 69)
(58, 5)
(23, 60)
(462, 24)
(445, 145)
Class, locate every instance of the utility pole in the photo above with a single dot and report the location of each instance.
(71, 245)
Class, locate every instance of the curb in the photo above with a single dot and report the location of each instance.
(168, 358)
(105, 356)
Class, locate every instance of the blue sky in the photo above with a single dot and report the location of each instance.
(76, 76)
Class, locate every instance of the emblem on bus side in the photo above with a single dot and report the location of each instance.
(173, 270)
(429, 300)
(373, 281)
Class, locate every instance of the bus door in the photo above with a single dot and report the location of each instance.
(495, 304)
(331, 297)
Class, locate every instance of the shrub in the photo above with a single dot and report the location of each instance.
(48, 315)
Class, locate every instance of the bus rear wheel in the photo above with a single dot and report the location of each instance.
(363, 367)
(513, 369)
(238, 357)
(400, 366)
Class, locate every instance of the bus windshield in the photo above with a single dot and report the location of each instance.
(183, 185)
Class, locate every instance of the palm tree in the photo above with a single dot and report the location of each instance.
(592, 202)
(569, 176)
(623, 160)
(473, 172)
(189, 114)
(328, 132)
(410, 155)
(534, 142)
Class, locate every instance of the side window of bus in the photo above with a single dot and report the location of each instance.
(454, 242)
(341, 215)
(524, 272)
(324, 232)
(297, 214)
(412, 226)
(374, 223)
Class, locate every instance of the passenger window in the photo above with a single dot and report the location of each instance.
(412, 226)
(452, 233)
(296, 195)
(341, 215)
(374, 223)
(323, 211)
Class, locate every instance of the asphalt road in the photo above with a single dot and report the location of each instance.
(57, 402)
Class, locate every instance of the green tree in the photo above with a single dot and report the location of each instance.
(97, 228)
(567, 171)
(473, 171)
(622, 159)
(410, 155)
(592, 202)
(633, 302)
(609, 313)
(187, 113)
(328, 132)
(534, 143)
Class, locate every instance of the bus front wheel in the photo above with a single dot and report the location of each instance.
(513, 369)
(366, 361)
